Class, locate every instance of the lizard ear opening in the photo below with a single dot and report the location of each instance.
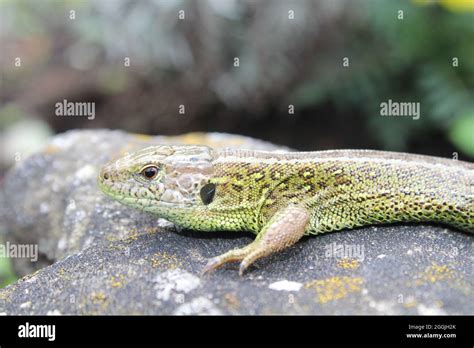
(207, 193)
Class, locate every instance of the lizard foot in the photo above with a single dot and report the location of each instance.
(283, 230)
(230, 256)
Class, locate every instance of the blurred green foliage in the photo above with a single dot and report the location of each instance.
(462, 133)
(425, 57)
(6, 272)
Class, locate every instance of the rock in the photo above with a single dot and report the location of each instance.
(110, 259)
(157, 271)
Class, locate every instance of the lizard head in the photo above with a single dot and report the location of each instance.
(160, 178)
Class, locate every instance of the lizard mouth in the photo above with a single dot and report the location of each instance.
(147, 203)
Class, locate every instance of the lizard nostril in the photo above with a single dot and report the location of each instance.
(104, 175)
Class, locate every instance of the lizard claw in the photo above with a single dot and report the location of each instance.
(211, 265)
(250, 259)
(230, 256)
(242, 269)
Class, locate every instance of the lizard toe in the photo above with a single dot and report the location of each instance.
(230, 256)
(250, 259)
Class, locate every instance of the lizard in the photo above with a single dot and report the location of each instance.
(282, 196)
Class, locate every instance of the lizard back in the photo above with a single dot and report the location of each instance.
(346, 188)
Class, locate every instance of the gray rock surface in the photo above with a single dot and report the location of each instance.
(109, 259)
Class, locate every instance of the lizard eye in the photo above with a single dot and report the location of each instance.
(150, 172)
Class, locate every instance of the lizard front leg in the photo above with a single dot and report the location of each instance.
(284, 229)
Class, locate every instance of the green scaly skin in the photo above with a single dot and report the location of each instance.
(282, 196)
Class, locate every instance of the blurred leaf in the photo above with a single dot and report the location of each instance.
(113, 80)
(6, 272)
(461, 133)
(9, 114)
(458, 5)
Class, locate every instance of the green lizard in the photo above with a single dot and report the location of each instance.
(282, 196)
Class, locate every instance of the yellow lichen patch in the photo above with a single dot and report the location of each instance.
(131, 238)
(165, 260)
(111, 237)
(118, 247)
(117, 281)
(132, 235)
(334, 288)
(435, 273)
(98, 297)
(5, 294)
(195, 254)
(30, 276)
(346, 263)
(63, 274)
